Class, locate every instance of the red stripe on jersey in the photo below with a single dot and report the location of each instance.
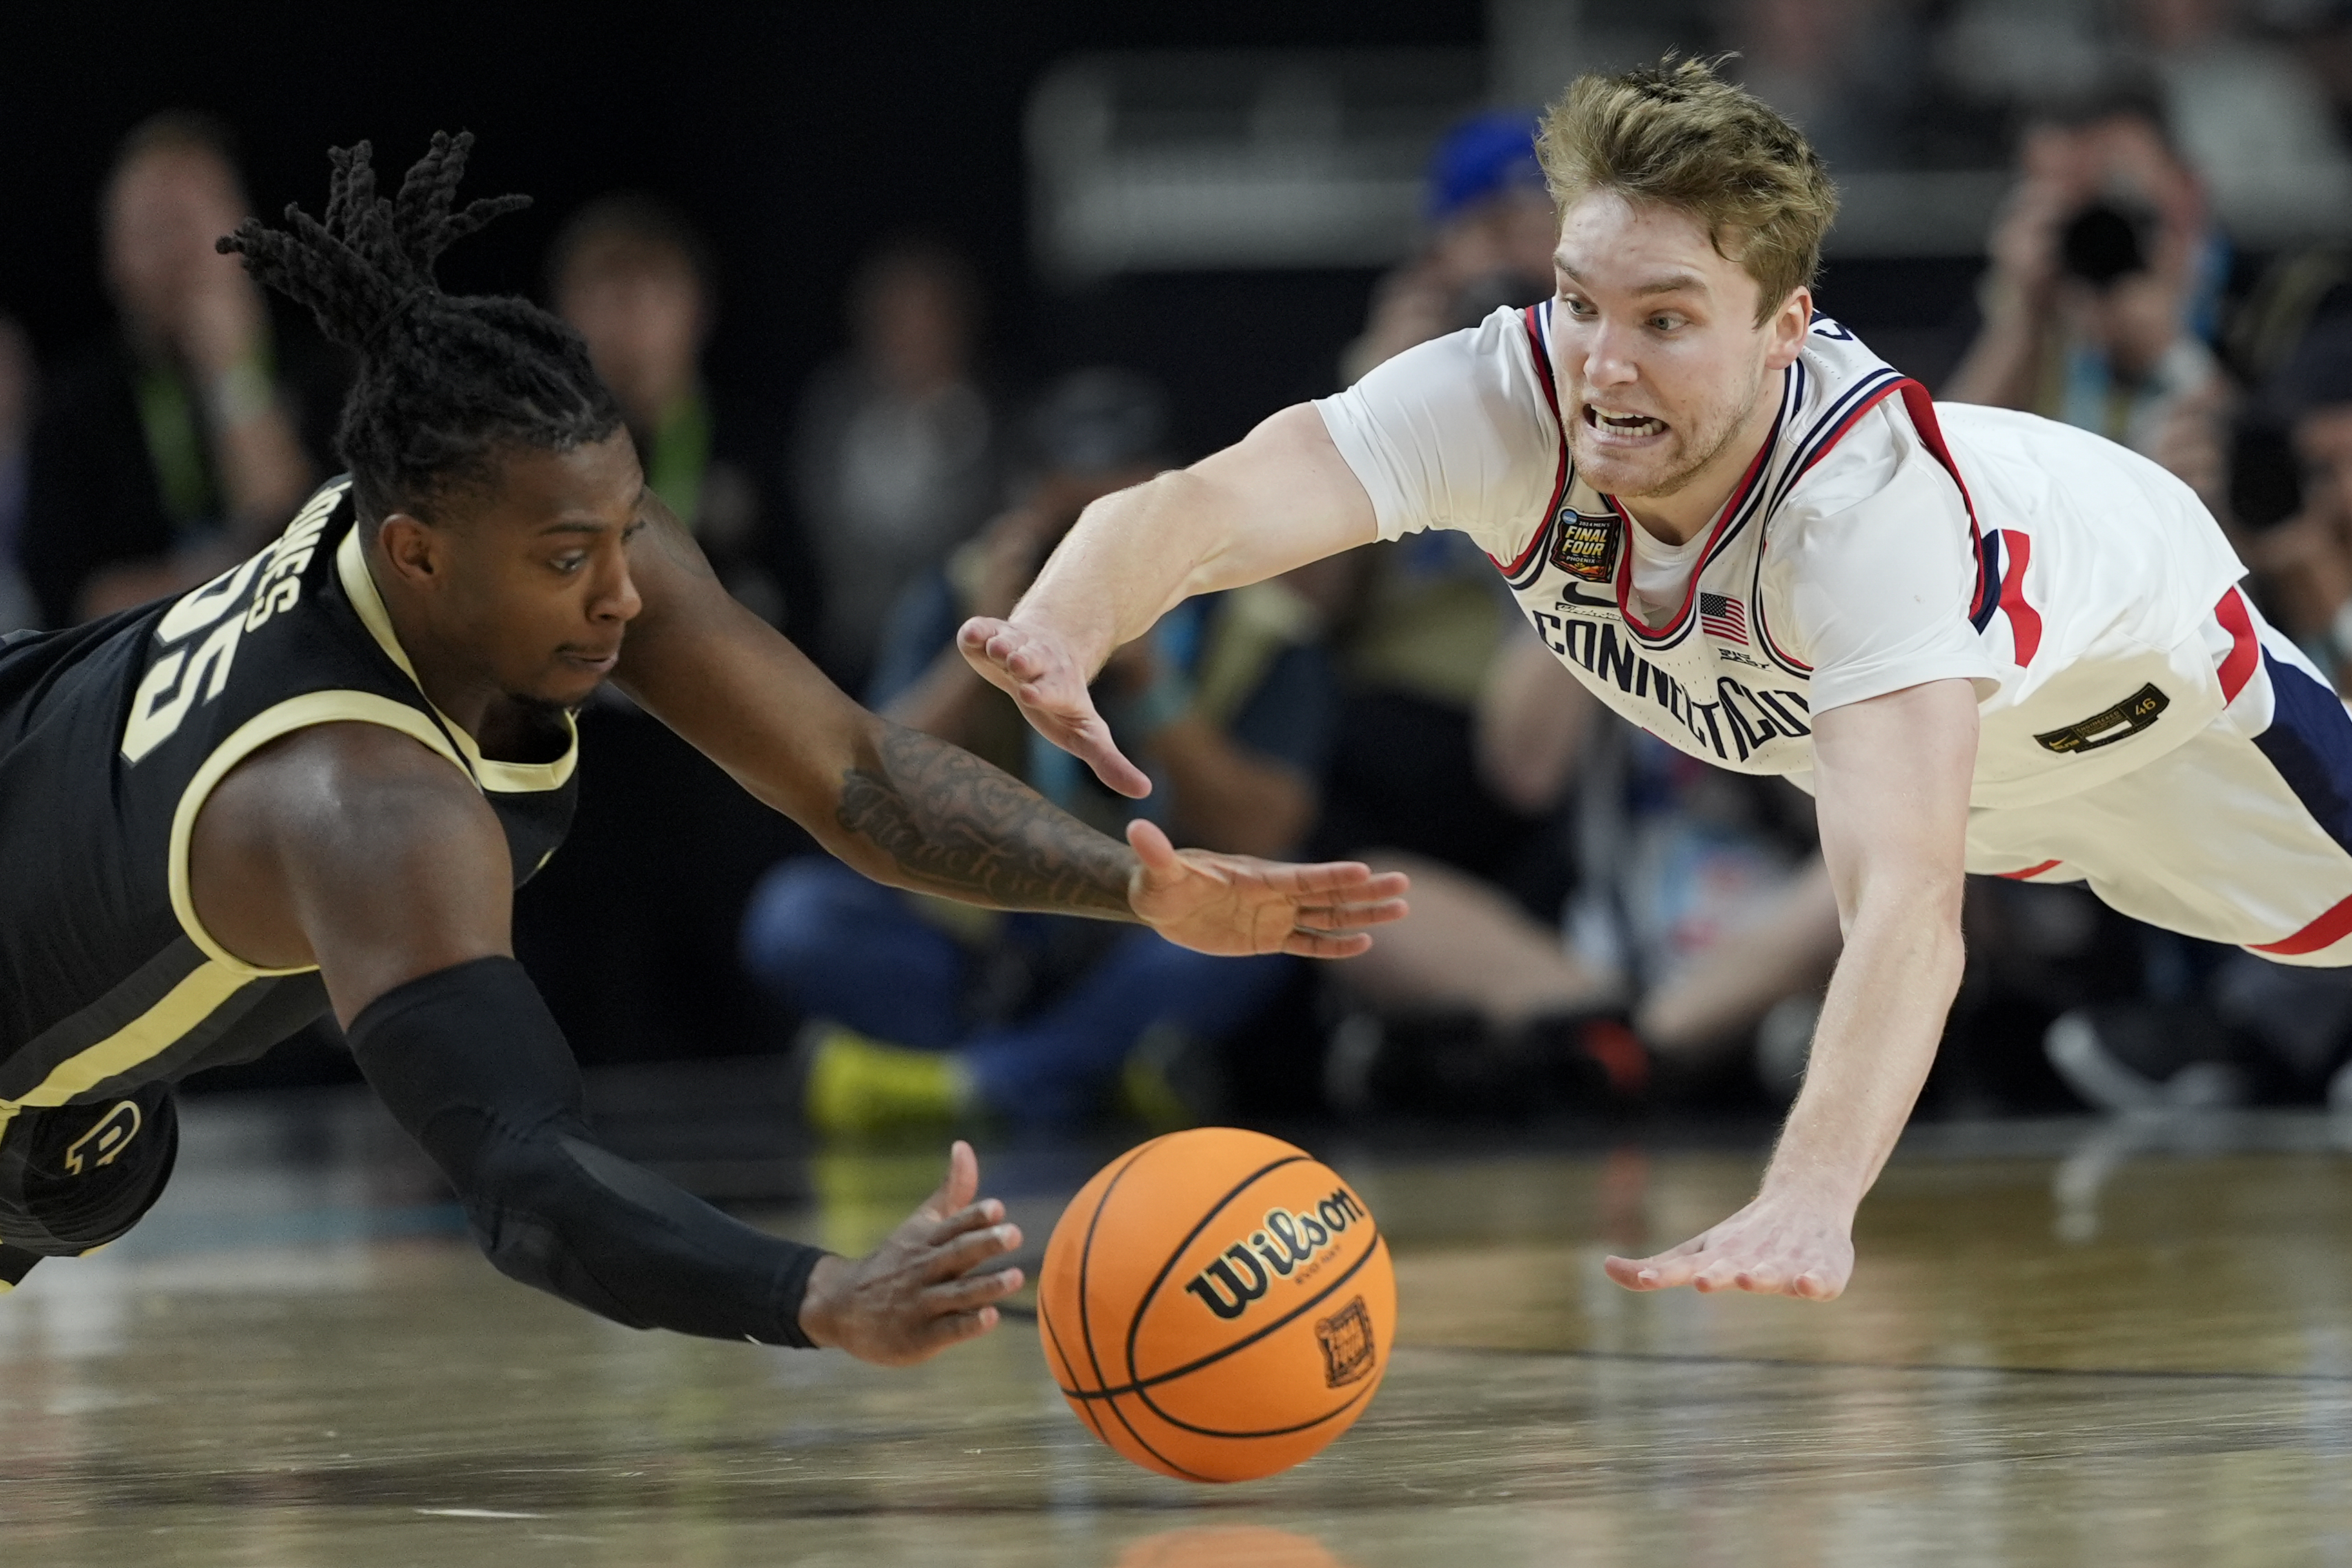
(1690, 589)
(1542, 357)
(2032, 870)
(2024, 620)
(2326, 932)
(1922, 409)
(2245, 653)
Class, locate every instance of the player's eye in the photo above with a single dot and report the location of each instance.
(567, 564)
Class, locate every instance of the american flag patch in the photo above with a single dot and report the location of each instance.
(1722, 616)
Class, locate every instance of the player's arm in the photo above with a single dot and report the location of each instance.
(1892, 778)
(1280, 498)
(353, 848)
(912, 810)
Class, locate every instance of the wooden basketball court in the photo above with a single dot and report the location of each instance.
(2081, 1342)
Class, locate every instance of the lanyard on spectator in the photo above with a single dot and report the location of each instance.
(680, 456)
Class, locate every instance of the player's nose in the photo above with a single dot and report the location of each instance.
(617, 598)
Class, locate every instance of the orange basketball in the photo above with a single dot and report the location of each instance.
(1216, 1305)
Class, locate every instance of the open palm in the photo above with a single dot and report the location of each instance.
(1235, 905)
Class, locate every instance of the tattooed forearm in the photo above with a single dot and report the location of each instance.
(956, 825)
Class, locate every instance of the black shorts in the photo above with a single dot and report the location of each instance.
(79, 1176)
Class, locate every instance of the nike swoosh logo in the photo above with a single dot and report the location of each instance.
(1571, 594)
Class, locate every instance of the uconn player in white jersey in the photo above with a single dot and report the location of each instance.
(1984, 641)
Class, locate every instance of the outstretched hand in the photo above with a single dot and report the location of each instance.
(1039, 670)
(1775, 1246)
(1234, 905)
(930, 1284)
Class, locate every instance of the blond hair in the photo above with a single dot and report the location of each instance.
(1676, 135)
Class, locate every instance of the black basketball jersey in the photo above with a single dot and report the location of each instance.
(111, 736)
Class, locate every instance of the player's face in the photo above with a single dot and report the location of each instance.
(540, 592)
(1660, 359)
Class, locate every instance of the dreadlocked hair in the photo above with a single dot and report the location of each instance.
(446, 384)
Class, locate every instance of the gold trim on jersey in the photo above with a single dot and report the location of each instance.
(294, 713)
(507, 778)
(156, 1030)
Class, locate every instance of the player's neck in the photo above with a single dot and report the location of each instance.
(461, 690)
(1683, 515)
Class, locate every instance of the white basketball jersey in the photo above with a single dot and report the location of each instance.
(1876, 541)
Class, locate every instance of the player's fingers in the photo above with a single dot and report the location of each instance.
(1722, 1274)
(1153, 848)
(972, 1292)
(1815, 1285)
(1764, 1278)
(1320, 944)
(967, 1252)
(962, 1183)
(1637, 1273)
(1351, 879)
(954, 1327)
(973, 1216)
(1095, 748)
(1351, 916)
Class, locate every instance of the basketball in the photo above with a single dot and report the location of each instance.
(1217, 1305)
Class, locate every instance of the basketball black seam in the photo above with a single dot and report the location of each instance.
(1086, 1257)
(1141, 1384)
(1085, 1412)
(1143, 1305)
(1087, 1318)
(1353, 1400)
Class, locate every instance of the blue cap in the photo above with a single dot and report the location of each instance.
(1480, 157)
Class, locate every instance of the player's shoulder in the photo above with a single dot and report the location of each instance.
(372, 789)
(1498, 353)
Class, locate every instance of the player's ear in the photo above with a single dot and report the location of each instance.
(1787, 329)
(410, 547)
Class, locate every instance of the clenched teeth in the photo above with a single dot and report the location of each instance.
(1622, 423)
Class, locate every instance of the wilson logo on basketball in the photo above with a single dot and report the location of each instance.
(1246, 1269)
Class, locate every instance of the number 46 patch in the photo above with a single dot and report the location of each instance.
(190, 671)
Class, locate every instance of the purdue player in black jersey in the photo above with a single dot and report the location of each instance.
(315, 782)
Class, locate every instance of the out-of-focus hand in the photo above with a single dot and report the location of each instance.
(1039, 669)
(929, 1285)
(1010, 548)
(221, 317)
(1235, 905)
(1777, 1245)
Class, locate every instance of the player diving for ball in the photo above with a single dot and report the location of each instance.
(316, 782)
(1982, 640)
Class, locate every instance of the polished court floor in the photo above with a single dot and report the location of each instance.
(2123, 1342)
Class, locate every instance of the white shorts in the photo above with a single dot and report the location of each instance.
(2242, 835)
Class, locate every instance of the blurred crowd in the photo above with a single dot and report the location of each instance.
(1601, 924)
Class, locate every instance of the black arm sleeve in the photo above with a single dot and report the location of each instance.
(472, 1064)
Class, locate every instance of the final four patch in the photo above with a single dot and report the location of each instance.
(1585, 545)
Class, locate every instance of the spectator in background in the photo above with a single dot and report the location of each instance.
(170, 451)
(1428, 613)
(631, 931)
(635, 277)
(1853, 74)
(2304, 564)
(932, 1012)
(1702, 915)
(16, 383)
(1491, 233)
(896, 450)
(2250, 116)
(2104, 273)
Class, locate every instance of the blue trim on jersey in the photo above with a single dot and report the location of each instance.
(1992, 570)
(2309, 741)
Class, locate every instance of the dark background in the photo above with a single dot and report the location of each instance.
(797, 136)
